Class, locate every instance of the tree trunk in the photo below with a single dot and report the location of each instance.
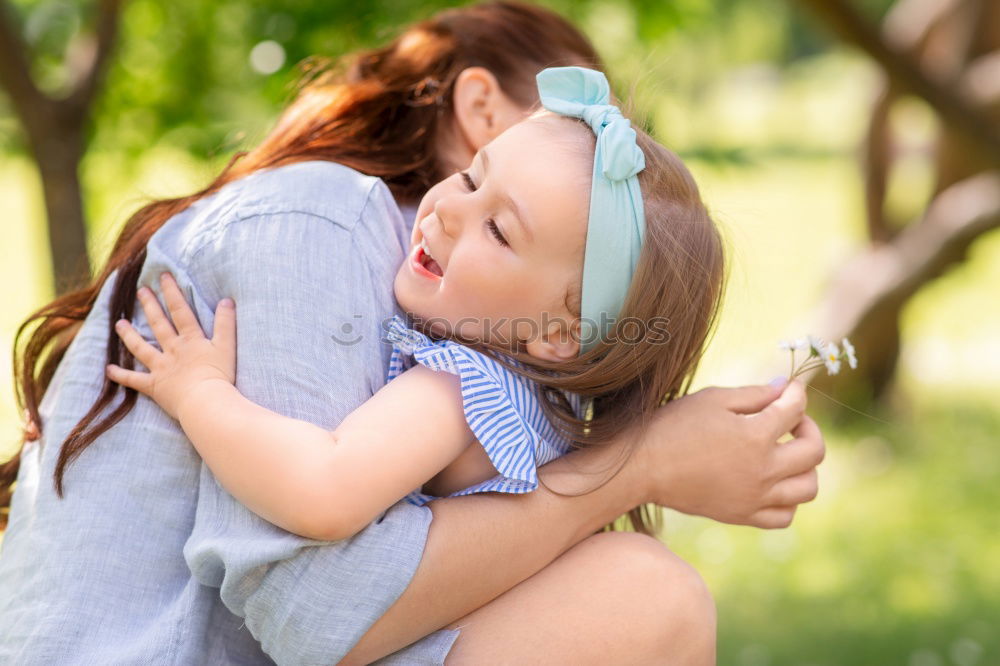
(869, 292)
(930, 51)
(58, 159)
(56, 132)
(943, 95)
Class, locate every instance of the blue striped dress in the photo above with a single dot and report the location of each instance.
(501, 408)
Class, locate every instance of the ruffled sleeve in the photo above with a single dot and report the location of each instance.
(501, 408)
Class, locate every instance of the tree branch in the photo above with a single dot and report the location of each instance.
(106, 33)
(15, 71)
(981, 81)
(851, 27)
(896, 270)
(877, 160)
(908, 23)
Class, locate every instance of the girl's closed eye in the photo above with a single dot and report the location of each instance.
(495, 230)
(490, 223)
(467, 179)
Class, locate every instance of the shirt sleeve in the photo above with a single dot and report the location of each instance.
(501, 407)
(310, 291)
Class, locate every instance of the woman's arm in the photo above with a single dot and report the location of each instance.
(714, 453)
(307, 480)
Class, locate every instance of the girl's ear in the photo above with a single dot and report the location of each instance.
(482, 109)
(556, 344)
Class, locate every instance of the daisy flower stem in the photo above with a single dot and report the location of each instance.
(806, 367)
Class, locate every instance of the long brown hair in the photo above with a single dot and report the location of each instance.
(656, 342)
(381, 113)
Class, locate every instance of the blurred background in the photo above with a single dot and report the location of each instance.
(848, 148)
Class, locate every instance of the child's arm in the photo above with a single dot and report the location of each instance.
(320, 484)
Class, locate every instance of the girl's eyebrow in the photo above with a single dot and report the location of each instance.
(510, 203)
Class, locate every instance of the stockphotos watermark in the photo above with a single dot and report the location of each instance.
(500, 331)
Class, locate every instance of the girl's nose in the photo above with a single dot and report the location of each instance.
(448, 210)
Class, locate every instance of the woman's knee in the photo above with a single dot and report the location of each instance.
(667, 595)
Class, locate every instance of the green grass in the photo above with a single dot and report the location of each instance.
(895, 562)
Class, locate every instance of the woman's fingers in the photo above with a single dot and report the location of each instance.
(773, 517)
(804, 452)
(158, 322)
(795, 490)
(748, 399)
(142, 350)
(785, 413)
(180, 311)
(224, 329)
(794, 465)
(140, 381)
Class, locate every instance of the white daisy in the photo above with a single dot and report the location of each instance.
(831, 358)
(852, 359)
(815, 345)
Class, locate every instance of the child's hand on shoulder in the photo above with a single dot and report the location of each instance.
(188, 362)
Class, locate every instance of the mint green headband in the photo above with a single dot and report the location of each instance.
(617, 222)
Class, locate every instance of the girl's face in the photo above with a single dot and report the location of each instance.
(497, 251)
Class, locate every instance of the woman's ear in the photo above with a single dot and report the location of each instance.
(482, 109)
(556, 344)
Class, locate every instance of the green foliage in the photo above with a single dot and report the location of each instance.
(182, 72)
(183, 75)
(894, 563)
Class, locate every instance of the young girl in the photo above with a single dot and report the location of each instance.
(536, 295)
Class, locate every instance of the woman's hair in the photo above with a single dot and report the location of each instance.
(657, 340)
(382, 114)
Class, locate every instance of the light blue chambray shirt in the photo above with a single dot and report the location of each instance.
(148, 560)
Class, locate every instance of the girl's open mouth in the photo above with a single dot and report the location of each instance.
(425, 265)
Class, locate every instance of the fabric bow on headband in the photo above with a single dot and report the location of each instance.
(617, 222)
